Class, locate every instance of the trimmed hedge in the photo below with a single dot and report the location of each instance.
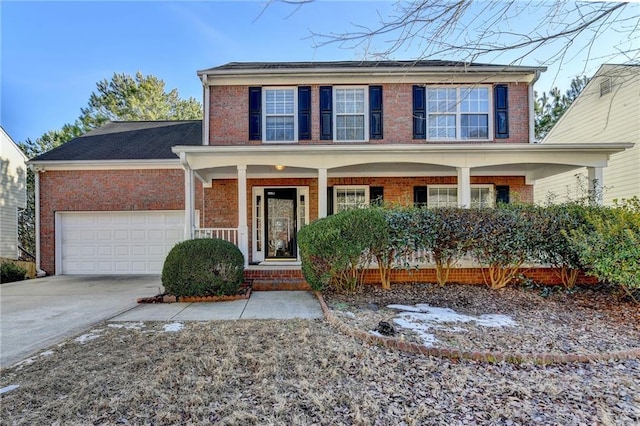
(203, 267)
(10, 272)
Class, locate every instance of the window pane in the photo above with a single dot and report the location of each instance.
(474, 126)
(442, 126)
(350, 198)
(279, 128)
(474, 100)
(481, 197)
(279, 101)
(442, 197)
(350, 127)
(349, 101)
(441, 100)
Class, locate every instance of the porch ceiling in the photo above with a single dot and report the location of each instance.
(534, 161)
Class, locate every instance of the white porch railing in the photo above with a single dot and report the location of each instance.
(227, 234)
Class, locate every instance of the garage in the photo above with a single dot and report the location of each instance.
(131, 242)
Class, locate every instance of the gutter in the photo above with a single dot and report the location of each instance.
(532, 115)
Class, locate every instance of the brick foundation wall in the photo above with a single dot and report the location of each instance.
(229, 112)
(105, 190)
(291, 279)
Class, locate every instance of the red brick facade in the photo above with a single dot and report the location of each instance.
(229, 112)
(104, 190)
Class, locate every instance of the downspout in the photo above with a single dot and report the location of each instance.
(205, 113)
(532, 115)
(36, 178)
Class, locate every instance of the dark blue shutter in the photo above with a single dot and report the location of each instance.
(502, 194)
(419, 112)
(501, 102)
(255, 113)
(329, 200)
(419, 196)
(376, 195)
(375, 112)
(326, 113)
(304, 113)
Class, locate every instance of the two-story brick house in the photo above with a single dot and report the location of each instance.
(282, 144)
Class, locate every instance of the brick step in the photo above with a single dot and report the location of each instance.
(282, 284)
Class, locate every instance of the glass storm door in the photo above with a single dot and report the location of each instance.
(280, 223)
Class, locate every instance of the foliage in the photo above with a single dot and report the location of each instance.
(555, 247)
(611, 247)
(504, 239)
(123, 98)
(10, 272)
(138, 97)
(334, 250)
(203, 267)
(550, 107)
(447, 234)
(393, 238)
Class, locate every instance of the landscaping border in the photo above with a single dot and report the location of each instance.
(481, 356)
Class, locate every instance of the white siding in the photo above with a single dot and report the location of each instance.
(613, 117)
(13, 195)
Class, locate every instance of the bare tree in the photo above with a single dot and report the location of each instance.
(467, 30)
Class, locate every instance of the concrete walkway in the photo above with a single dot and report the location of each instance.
(261, 305)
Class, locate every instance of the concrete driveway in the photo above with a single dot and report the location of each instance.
(35, 314)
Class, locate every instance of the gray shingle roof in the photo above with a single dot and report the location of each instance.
(267, 66)
(128, 140)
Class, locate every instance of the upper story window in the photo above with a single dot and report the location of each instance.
(351, 110)
(279, 109)
(458, 113)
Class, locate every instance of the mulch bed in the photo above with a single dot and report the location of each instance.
(560, 326)
(243, 293)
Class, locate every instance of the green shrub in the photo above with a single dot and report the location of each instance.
(10, 272)
(555, 247)
(447, 234)
(611, 246)
(334, 249)
(504, 239)
(203, 267)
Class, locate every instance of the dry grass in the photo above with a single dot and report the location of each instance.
(298, 372)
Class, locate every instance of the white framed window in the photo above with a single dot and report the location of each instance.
(459, 113)
(447, 196)
(350, 113)
(280, 106)
(350, 197)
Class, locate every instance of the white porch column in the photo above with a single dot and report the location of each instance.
(243, 228)
(596, 186)
(189, 203)
(464, 187)
(322, 193)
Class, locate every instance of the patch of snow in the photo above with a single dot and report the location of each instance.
(47, 353)
(127, 325)
(20, 365)
(174, 326)
(8, 388)
(86, 338)
(421, 318)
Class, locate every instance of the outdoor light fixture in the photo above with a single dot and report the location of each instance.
(279, 167)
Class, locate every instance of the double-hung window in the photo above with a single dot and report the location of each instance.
(351, 117)
(280, 119)
(458, 113)
(447, 196)
(350, 197)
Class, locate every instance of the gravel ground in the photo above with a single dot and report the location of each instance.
(584, 322)
(304, 372)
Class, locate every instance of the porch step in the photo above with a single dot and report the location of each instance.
(282, 284)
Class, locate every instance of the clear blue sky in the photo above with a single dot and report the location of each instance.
(53, 53)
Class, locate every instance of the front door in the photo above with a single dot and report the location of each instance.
(281, 220)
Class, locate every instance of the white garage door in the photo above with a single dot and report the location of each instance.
(116, 242)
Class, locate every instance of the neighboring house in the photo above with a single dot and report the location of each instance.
(607, 110)
(13, 194)
(283, 144)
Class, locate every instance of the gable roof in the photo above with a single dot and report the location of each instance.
(128, 140)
